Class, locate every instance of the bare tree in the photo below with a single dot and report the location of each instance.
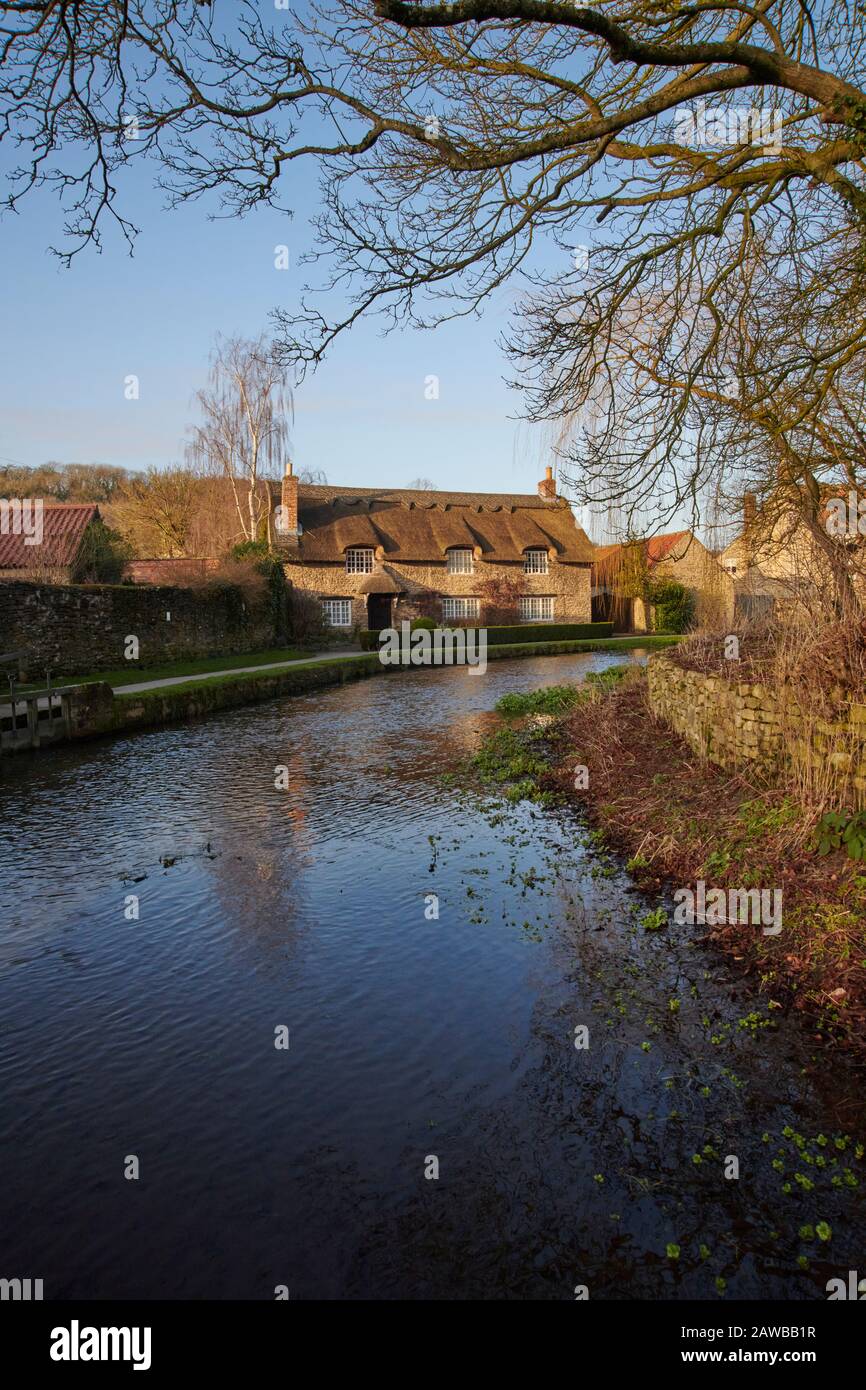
(421, 485)
(244, 435)
(155, 512)
(691, 166)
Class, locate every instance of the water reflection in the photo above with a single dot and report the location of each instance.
(409, 1037)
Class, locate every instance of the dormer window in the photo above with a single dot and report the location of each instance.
(535, 561)
(359, 560)
(460, 562)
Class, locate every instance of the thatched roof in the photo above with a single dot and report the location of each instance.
(407, 525)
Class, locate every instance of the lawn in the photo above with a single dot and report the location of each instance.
(131, 673)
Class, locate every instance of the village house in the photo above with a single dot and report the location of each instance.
(775, 561)
(54, 550)
(619, 573)
(377, 556)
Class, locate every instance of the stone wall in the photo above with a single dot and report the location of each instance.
(75, 629)
(569, 584)
(712, 589)
(738, 724)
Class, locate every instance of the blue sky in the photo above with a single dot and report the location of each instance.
(74, 335)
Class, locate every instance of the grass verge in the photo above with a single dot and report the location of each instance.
(132, 675)
(678, 820)
(254, 679)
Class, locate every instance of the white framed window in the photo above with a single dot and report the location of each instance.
(460, 608)
(460, 562)
(535, 561)
(359, 560)
(337, 611)
(536, 608)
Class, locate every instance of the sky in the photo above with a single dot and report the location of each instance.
(73, 336)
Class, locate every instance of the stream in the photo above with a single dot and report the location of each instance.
(425, 952)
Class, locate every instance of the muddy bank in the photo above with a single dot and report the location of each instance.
(679, 820)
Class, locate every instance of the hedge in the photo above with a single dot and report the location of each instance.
(522, 632)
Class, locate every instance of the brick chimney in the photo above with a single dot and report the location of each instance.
(547, 486)
(750, 513)
(750, 509)
(287, 522)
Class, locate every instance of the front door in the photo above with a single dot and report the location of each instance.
(378, 611)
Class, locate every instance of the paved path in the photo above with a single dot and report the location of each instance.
(235, 671)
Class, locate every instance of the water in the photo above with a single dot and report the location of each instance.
(410, 1038)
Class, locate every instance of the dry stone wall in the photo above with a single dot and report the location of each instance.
(741, 724)
(73, 629)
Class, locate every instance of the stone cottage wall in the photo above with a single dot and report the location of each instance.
(569, 584)
(742, 724)
(75, 629)
(711, 587)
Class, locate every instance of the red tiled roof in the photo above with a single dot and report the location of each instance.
(656, 549)
(659, 547)
(63, 527)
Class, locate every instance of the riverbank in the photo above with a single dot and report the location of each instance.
(96, 709)
(679, 820)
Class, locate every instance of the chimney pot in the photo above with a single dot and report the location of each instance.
(287, 529)
(547, 486)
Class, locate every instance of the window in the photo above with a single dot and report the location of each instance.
(460, 608)
(535, 562)
(337, 611)
(359, 560)
(536, 609)
(460, 562)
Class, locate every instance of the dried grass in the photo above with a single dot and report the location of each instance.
(686, 819)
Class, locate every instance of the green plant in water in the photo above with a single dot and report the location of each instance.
(655, 920)
(552, 699)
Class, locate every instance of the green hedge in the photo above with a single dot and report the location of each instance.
(521, 632)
